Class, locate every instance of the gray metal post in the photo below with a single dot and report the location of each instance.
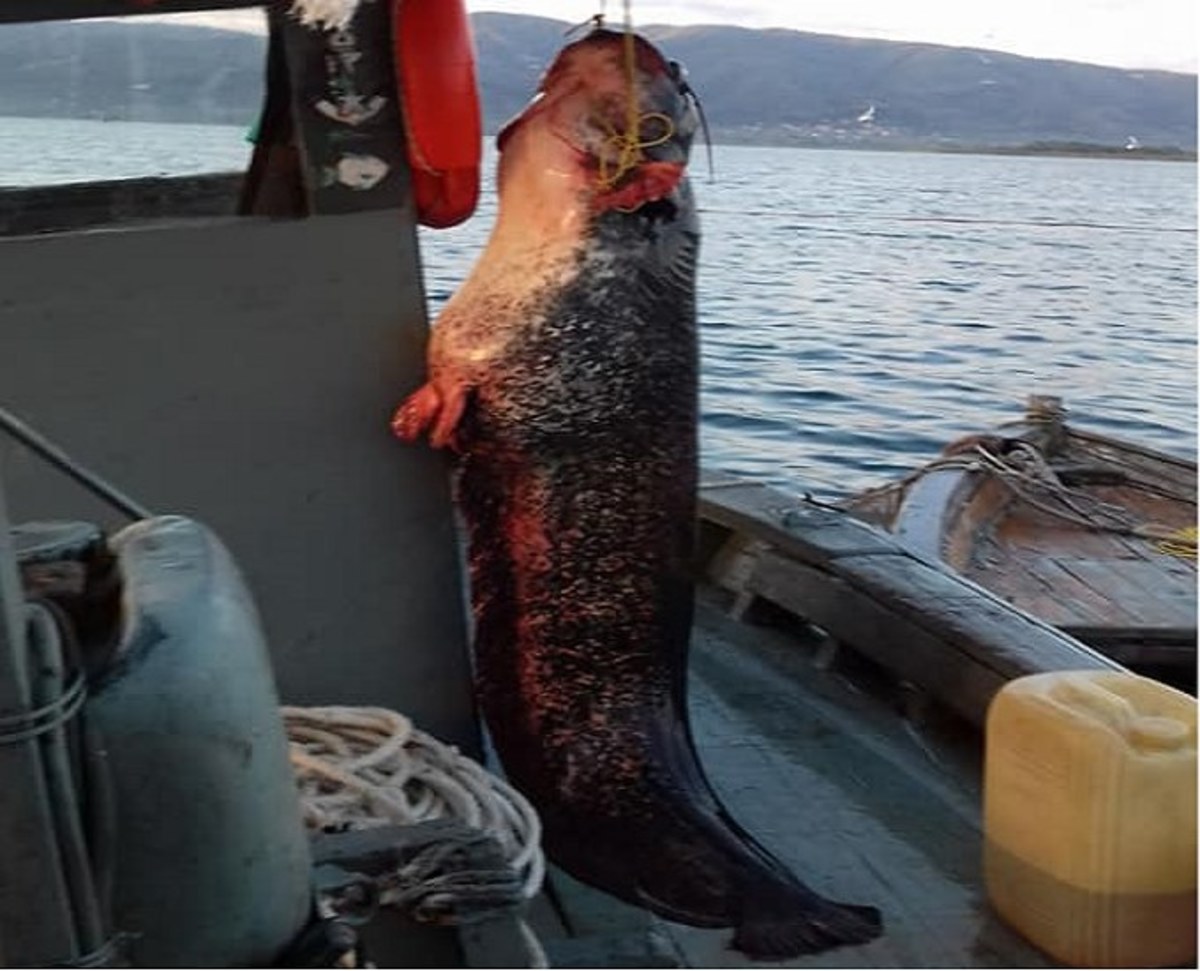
(36, 922)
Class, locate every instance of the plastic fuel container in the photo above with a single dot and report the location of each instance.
(1090, 817)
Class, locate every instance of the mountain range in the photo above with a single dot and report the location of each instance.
(784, 86)
(757, 86)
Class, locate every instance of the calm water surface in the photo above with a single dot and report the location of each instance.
(859, 309)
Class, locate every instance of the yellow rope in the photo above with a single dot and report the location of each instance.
(628, 145)
(1182, 542)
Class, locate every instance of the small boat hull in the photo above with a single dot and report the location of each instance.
(1086, 532)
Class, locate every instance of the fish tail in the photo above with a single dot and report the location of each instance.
(788, 924)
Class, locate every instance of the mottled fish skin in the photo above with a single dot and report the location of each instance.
(565, 372)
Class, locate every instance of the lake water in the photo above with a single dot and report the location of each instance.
(859, 310)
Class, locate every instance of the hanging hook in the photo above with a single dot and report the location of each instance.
(596, 20)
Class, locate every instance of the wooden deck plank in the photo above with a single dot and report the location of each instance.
(1157, 597)
(1146, 504)
(1039, 534)
(1130, 589)
(1044, 588)
(1146, 548)
(1044, 603)
(1075, 603)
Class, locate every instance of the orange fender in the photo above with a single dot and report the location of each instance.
(435, 60)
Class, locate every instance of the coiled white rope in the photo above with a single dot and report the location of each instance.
(363, 767)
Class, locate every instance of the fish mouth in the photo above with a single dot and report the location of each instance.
(623, 109)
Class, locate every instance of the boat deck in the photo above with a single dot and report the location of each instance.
(1133, 596)
(1093, 585)
(824, 769)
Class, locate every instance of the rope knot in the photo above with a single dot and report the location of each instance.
(629, 146)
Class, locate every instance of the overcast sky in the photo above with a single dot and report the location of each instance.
(1123, 33)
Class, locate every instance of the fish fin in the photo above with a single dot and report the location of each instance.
(778, 930)
(680, 915)
(417, 413)
(434, 407)
(649, 182)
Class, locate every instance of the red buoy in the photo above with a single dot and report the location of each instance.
(435, 59)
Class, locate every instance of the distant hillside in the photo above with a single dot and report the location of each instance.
(791, 87)
(766, 86)
(131, 72)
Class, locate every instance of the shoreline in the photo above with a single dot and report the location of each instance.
(1048, 148)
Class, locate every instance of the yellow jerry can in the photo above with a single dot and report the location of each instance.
(1090, 817)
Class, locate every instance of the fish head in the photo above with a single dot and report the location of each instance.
(612, 117)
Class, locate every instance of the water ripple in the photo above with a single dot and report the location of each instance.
(859, 309)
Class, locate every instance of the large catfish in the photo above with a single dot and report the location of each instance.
(565, 373)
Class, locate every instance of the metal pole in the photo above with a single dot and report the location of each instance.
(36, 921)
(40, 444)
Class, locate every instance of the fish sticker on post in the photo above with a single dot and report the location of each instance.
(358, 172)
(564, 374)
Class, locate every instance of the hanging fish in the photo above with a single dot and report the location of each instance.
(565, 373)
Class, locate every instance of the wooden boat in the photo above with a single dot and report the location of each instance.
(1092, 534)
